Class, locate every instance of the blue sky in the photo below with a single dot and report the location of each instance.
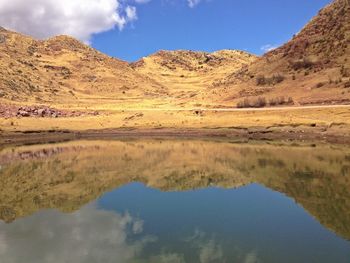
(211, 25)
(131, 29)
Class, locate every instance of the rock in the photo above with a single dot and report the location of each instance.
(7, 214)
(2, 39)
(23, 113)
(41, 112)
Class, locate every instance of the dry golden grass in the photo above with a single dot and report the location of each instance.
(188, 75)
(64, 71)
(179, 119)
(65, 74)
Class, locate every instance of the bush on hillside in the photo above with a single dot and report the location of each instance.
(261, 80)
(304, 63)
(259, 102)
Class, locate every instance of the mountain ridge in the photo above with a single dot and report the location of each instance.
(312, 68)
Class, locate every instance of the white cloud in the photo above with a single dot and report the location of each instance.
(77, 18)
(131, 13)
(268, 47)
(193, 3)
(142, 1)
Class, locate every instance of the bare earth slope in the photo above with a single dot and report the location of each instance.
(64, 70)
(313, 67)
(188, 74)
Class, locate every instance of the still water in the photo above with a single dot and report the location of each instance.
(173, 201)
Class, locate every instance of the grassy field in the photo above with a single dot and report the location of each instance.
(328, 116)
(331, 124)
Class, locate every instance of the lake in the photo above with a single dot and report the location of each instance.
(174, 201)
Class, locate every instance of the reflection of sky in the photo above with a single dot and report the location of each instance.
(248, 223)
(137, 224)
(89, 235)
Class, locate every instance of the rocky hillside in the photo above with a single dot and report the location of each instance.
(188, 74)
(183, 61)
(62, 69)
(313, 67)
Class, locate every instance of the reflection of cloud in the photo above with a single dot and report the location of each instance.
(210, 252)
(251, 258)
(93, 235)
(208, 249)
(3, 245)
(89, 235)
(169, 258)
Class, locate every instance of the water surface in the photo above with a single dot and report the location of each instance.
(174, 201)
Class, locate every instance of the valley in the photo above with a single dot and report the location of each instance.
(304, 82)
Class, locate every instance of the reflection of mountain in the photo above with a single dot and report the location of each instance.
(75, 173)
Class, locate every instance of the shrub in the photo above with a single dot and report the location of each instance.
(304, 63)
(281, 101)
(277, 101)
(277, 79)
(344, 72)
(272, 102)
(259, 102)
(244, 104)
(261, 80)
(320, 84)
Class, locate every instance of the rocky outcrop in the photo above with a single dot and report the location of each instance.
(40, 111)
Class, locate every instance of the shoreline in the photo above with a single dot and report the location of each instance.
(324, 124)
(283, 133)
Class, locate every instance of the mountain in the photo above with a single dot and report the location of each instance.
(313, 67)
(188, 74)
(62, 69)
